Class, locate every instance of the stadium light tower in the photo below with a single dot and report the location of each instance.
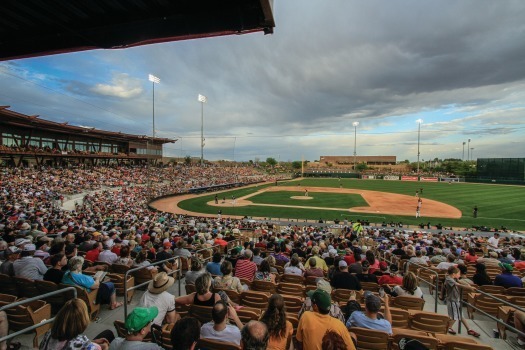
(154, 80)
(468, 150)
(202, 99)
(419, 121)
(463, 156)
(472, 153)
(355, 124)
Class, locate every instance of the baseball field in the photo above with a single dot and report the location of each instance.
(372, 200)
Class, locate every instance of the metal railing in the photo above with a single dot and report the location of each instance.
(126, 289)
(487, 314)
(26, 301)
(212, 248)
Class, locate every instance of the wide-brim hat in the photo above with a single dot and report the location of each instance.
(160, 283)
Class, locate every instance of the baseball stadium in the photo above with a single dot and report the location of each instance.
(115, 235)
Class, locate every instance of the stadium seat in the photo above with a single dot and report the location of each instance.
(216, 345)
(8, 285)
(369, 339)
(408, 303)
(27, 315)
(430, 322)
(255, 299)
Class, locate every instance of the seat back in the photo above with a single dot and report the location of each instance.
(293, 303)
(255, 299)
(232, 294)
(247, 314)
(118, 281)
(292, 278)
(202, 313)
(26, 287)
(515, 291)
(190, 288)
(8, 285)
(430, 322)
(33, 313)
(141, 276)
(371, 286)
(89, 298)
(119, 268)
(489, 305)
(493, 289)
(341, 295)
(264, 286)
(408, 303)
(466, 346)
(400, 318)
(216, 345)
(428, 341)
(311, 280)
(162, 335)
(56, 301)
(368, 339)
(120, 328)
(290, 289)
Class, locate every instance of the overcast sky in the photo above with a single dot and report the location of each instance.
(457, 65)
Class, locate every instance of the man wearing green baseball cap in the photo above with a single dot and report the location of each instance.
(506, 278)
(138, 326)
(314, 324)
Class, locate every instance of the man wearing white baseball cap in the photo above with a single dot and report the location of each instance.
(28, 266)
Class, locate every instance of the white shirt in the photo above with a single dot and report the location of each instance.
(293, 270)
(230, 334)
(493, 241)
(107, 256)
(164, 301)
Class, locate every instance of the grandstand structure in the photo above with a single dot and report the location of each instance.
(349, 160)
(29, 140)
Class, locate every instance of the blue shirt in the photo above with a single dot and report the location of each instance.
(508, 280)
(214, 268)
(79, 280)
(359, 319)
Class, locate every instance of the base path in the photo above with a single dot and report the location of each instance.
(378, 202)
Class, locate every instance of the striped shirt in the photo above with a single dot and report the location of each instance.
(245, 269)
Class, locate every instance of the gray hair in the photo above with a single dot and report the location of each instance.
(76, 263)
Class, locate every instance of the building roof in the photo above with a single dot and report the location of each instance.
(25, 121)
(32, 28)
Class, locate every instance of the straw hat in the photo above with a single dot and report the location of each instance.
(160, 283)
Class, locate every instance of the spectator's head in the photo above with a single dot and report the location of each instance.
(372, 302)
(257, 252)
(217, 257)
(275, 316)
(185, 333)
(196, 264)
(366, 266)
(333, 341)
(312, 262)
(28, 250)
(138, 322)
(254, 336)
(160, 283)
(294, 261)
(453, 271)
(451, 258)
(124, 252)
(343, 266)
(75, 264)
(321, 301)
(226, 268)
(58, 260)
(219, 312)
(410, 283)
(203, 284)
(71, 320)
(248, 254)
(462, 269)
(506, 267)
(265, 266)
(494, 255)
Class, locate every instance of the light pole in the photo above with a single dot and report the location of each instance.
(419, 121)
(202, 99)
(463, 156)
(472, 153)
(154, 80)
(468, 150)
(355, 124)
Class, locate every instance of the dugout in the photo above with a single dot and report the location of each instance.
(503, 170)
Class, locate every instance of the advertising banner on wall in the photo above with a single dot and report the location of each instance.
(429, 179)
(409, 178)
(391, 177)
(368, 177)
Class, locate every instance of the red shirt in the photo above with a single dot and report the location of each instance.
(92, 255)
(245, 269)
(221, 242)
(392, 280)
(350, 259)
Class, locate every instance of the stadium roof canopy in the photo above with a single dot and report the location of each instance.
(32, 28)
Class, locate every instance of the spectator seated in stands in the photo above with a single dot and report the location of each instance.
(92, 255)
(345, 280)
(369, 318)
(366, 276)
(312, 270)
(293, 268)
(56, 273)
(28, 266)
(444, 265)
(254, 336)
(409, 287)
(481, 277)
(181, 249)
(138, 325)
(219, 329)
(314, 324)
(280, 256)
(202, 295)
(157, 295)
(185, 333)
(279, 327)
(335, 310)
(107, 255)
(227, 281)
(392, 278)
(142, 260)
(195, 271)
(106, 290)
(125, 257)
(506, 279)
(245, 268)
(264, 273)
(214, 267)
(319, 261)
(7, 267)
(257, 259)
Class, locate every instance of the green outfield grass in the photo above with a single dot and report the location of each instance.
(498, 205)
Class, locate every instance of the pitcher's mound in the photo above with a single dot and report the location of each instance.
(301, 197)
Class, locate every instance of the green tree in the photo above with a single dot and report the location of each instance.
(271, 161)
(361, 167)
(296, 164)
(187, 160)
